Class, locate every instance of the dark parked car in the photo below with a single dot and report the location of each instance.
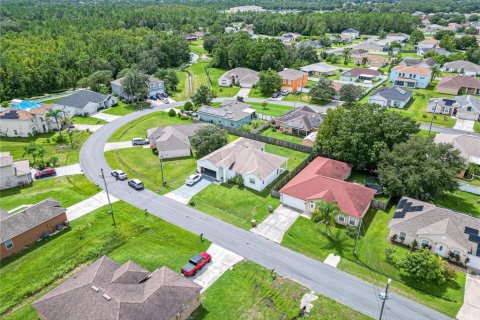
(165, 100)
(275, 95)
(45, 173)
(153, 97)
(196, 263)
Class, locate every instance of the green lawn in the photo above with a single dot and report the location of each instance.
(460, 201)
(148, 170)
(138, 127)
(199, 77)
(143, 238)
(67, 190)
(256, 93)
(183, 92)
(87, 120)
(476, 126)
(294, 157)
(250, 292)
(197, 48)
(62, 151)
(273, 110)
(121, 109)
(307, 238)
(270, 132)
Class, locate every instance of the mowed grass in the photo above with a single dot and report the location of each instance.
(250, 292)
(148, 169)
(200, 77)
(65, 154)
(256, 93)
(143, 238)
(270, 109)
(138, 127)
(272, 133)
(121, 109)
(460, 201)
(87, 120)
(67, 190)
(309, 239)
(183, 90)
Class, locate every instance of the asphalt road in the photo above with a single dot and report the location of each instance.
(311, 273)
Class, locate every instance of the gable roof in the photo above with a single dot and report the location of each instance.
(291, 74)
(151, 80)
(229, 109)
(459, 82)
(421, 218)
(173, 137)
(469, 101)
(81, 98)
(469, 146)
(369, 46)
(356, 72)
(319, 67)
(41, 110)
(106, 290)
(6, 159)
(415, 62)
(412, 70)
(394, 93)
(462, 64)
(323, 179)
(243, 156)
(18, 223)
(350, 30)
(243, 75)
(303, 118)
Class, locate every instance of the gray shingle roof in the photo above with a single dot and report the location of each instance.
(106, 290)
(173, 137)
(81, 98)
(16, 224)
(462, 64)
(394, 93)
(415, 62)
(303, 118)
(230, 110)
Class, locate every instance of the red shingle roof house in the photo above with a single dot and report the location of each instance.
(459, 85)
(324, 179)
(106, 290)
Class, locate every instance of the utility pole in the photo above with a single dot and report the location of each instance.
(356, 238)
(108, 197)
(161, 168)
(433, 116)
(384, 297)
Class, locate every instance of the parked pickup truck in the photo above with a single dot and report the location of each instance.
(196, 263)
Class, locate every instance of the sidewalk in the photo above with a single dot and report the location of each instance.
(88, 205)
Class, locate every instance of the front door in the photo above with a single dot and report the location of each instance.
(441, 248)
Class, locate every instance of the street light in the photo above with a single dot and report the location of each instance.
(108, 197)
(161, 168)
(433, 116)
(384, 297)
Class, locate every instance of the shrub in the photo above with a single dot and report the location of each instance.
(172, 113)
(414, 244)
(389, 258)
(60, 139)
(188, 106)
(237, 180)
(393, 238)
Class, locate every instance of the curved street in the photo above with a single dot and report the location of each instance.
(311, 273)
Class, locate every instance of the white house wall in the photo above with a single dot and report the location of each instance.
(292, 202)
(176, 153)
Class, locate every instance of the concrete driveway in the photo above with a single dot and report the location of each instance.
(465, 125)
(109, 146)
(185, 193)
(88, 205)
(62, 171)
(471, 302)
(243, 92)
(105, 116)
(276, 224)
(89, 127)
(222, 260)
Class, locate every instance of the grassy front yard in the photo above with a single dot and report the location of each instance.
(200, 77)
(307, 238)
(87, 120)
(273, 110)
(62, 151)
(68, 190)
(138, 127)
(256, 93)
(143, 238)
(148, 169)
(121, 109)
(250, 292)
(270, 132)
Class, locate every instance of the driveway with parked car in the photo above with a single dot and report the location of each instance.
(186, 192)
(57, 172)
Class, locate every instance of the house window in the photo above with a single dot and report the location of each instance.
(15, 132)
(341, 218)
(351, 221)
(425, 243)
(469, 108)
(252, 180)
(9, 244)
(402, 236)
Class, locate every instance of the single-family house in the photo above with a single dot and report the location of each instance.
(245, 77)
(391, 97)
(373, 61)
(323, 179)
(23, 123)
(461, 66)
(173, 141)
(468, 145)
(293, 79)
(445, 232)
(311, 43)
(231, 113)
(13, 173)
(299, 121)
(352, 33)
(246, 158)
(320, 68)
(431, 28)
(230, 29)
(249, 28)
(359, 74)
(428, 43)
(154, 86)
(427, 63)
(84, 102)
(310, 140)
(397, 37)
(290, 37)
(411, 77)
(372, 47)
(29, 225)
(459, 85)
(359, 53)
(463, 107)
(246, 9)
(107, 290)
(440, 51)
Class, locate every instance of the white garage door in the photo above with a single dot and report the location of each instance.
(293, 202)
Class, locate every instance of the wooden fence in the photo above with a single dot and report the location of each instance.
(280, 184)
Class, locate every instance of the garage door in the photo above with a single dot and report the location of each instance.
(293, 202)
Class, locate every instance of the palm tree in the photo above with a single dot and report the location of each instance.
(435, 73)
(30, 149)
(346, 55)
(325, 212)
(57, 115)
(365, 61)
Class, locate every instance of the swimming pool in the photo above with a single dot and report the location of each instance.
(27, 105)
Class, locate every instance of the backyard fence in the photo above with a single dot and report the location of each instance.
(262, 127)
(280, 184)
(380, 204)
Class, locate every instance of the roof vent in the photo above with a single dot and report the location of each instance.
(106, 296)
(95, 288)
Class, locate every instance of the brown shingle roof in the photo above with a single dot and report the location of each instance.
(291, 74)
(42, 109)
(412, 70)
(459, 82)
(355, 72)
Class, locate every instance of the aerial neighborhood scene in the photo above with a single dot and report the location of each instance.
(239, 159)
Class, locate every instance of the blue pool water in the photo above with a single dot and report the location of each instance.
(27, 105)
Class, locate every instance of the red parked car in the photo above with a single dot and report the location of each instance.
(196, 263)
(45, 173)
